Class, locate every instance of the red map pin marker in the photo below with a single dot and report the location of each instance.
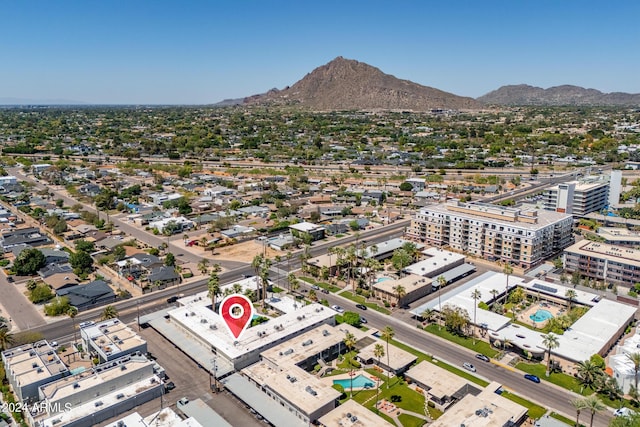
(236, 311)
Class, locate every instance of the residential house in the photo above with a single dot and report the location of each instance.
(163, 276)
(314, 231)
(23, 236)
(85, 297)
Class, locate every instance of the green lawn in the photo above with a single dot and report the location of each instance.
(563, 380)
(361, 300)
(410, 421)
(434, 413)
(534, 411)
(323, 285)
(565, 419)
(480, 346)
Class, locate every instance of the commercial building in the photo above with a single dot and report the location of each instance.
(487, 409)
(301, 229)
(97, 394)
(438, 385)
(623, 367)
(352, 414)
(397, 360)
(199, 322)
(384, 250)
(111, 339)
(437, 262)
(619, 236)
(30, 366)
(524, 237)
(577, 198)
(414, 286)
(600, 261)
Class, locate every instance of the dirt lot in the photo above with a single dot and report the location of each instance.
(245, 251)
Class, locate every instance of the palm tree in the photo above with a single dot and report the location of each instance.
(506, 343)
(441, 283)
(378, 352)
(400, 292)
(588, 373)
(312, 295)
(578, 405)
(476, 295)
(109, 312)
(507, 270)
(6, 339)
(213, 286)
(350, 342)
(264, 279)
(293, 282)
(571, 295)
(203, 266)
(72, 312)
(494, 293)
(550, 341)
(635, 359)
(594, 405)
(387, 334)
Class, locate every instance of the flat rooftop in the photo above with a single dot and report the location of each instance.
(301, 389)
(441, 382)
(605, 251)
(100, 374)
(33, 363)
(103, 402)
(615, 234)
(324, 260)
(488, 409)
(436, 261)
(461, 297)
(495, 214)
(398, 358)
(410, 282)
(313, 342)
(165, 418)
(386, 247)
(358, 416)
(210, 327)
(112, 336)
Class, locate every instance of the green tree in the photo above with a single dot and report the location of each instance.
(378, 352)
(203, 266)
(83, 245)
(170, 260)
(571, 295)
(6, 339)
(81, 262)
(28, 262)
(631, 420)
(401, 259)
(213, 286)
(635, 359)
(578, 405)
(387, 334)
(41, 293)
(456, 319)
(594, 405)
(476, 295)
(72, 312)
(350, 342)
(550, 341)
(588, 373)
(400, 292)
(351, 318)
(406, 186)
(119, 253)
(109, 312)
(508, 270)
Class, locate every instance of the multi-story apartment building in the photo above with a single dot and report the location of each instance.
(601, 261)
(523, 237)
(579, 198)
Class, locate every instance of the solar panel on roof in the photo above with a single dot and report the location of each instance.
(545, 288)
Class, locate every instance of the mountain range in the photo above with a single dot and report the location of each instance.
(346, 84)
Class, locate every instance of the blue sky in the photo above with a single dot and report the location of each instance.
(195, 52)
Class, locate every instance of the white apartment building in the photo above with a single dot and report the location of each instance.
(522, 236)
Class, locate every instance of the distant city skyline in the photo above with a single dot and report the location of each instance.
(201, 52)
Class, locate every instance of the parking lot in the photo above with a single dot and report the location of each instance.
(191, 382)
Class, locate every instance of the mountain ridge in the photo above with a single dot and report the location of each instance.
(563, 95)
(347, 84)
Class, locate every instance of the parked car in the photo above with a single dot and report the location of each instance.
(169, 386)
(482, 357)
(315, 287)
(338, 308)
(361, 306)
(469, 367)
(324, 291)
(363, 320)
(623, 412)
(53, 343)
(172, 299)
(532, 377)
(85, 324)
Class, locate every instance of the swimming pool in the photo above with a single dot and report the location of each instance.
(383, 279)
(358, 382)
(541, 315)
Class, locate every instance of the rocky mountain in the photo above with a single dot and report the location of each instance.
(557, 96)
(345, 84)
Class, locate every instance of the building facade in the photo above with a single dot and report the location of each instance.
(577, 198)
(523, 237)
(600, 261)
